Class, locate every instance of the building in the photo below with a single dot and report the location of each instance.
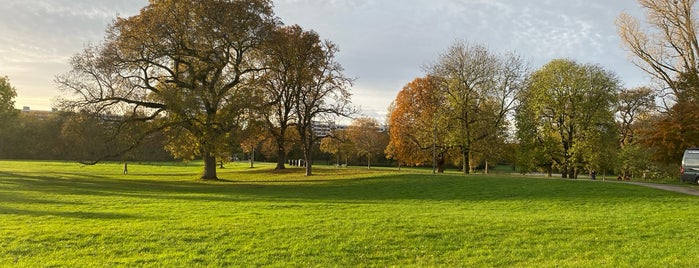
(323, 129)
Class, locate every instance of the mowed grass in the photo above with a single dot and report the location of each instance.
(160, 215)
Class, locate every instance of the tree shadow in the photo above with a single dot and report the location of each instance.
(66, 214)
(392, 187)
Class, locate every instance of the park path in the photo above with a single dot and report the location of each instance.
(667, 187)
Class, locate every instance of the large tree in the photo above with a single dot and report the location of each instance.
(417, 135)
(188, 64)
(293, 56)
(667, 48)
(325, 94)
(634, 110)
(566, 117)
(479, 89)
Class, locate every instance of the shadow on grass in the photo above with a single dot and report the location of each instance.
(67, 214)
(368, 189)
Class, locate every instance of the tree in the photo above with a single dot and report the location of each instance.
(293, 56)
(633, 105)
(188, 65)
(668, 136)
(7, 99)
(417, 134)
(337, 143)
(8, 113)
(479, 89)
(325, 93)
(367, 139)
(666, 47)
(566, 116)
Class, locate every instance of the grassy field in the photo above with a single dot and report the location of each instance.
(68, 215)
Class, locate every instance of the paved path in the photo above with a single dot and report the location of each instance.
(667, 187)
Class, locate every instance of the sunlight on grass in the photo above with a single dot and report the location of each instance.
(65, 214)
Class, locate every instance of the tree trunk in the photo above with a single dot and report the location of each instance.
(252, 158)
(209, 167)
(466, 166)
(308, 157)
(281, 158)
(368, 161)
(309, 163)
(486, 166)
(440, 163)
(281, 155)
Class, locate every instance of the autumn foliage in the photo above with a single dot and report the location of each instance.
(413, 118)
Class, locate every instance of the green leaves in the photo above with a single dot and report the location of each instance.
(7, 102)
(566, 115)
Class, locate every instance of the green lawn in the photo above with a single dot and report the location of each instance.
(65, 214)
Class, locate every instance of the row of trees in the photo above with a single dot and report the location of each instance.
(209, 74)
(460, 109)
(474, 105)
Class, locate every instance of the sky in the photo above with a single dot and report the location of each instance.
(384, 44)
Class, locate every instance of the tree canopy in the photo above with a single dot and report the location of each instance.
(415, 128)
(7, 99)
(367, 139)
(565, 119)
(479, 89)
(189, 64)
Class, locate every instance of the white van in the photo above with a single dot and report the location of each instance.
(689, 171)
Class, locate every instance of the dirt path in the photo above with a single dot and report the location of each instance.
(673, 188)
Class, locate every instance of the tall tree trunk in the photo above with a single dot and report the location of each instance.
(440, 163)
(486, 166)
(368, 161)
(566, 167)
(309, 164)
(281, 157)
(209, 167)
(465, 157)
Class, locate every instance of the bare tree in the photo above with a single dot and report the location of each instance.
(326, 94)
(293, 56)
(666, 47)
(633, 105)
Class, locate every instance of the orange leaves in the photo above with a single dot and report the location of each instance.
(670, 134)
(412, 121)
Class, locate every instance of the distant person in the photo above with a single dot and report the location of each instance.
(126, 168)
(593, 175)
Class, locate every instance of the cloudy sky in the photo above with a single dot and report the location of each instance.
(383, 43)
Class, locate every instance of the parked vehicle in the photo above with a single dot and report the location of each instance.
(689, 171)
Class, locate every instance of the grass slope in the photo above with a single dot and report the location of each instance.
(64, 214)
